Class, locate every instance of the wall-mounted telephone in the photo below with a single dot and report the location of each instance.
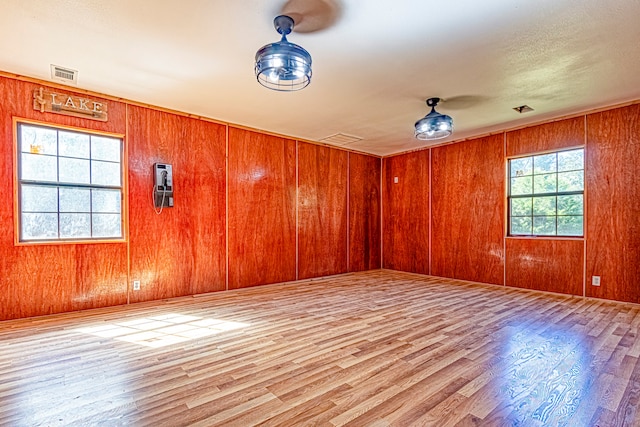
(162, 186)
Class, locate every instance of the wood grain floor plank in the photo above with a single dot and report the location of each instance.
(375, 348)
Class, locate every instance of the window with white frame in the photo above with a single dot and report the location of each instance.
(546, 194)
(69, 184)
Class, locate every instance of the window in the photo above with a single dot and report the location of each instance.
(546, 194)
(69, 185)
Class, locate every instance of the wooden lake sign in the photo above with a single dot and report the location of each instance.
(70, 105)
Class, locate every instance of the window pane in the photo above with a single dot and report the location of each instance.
(570, 225)
(104, 148)
(35, 198)
(544, 183)
(105, 173)
(107, 225)
(521, 225)
(544, 205)
(521, 207)
(521, 186)
(73, 144)
(521, 167)
(36, 167)
(551, 214)
(570, 205)
(571, 160)
(77, 164)
(75, 200)
(75, 225)
(544, 163)
(106, 201)
(544, 225)
(74, 170)
(37, 226)
(571, 181)
(38, 140)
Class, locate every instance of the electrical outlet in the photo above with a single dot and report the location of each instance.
(136, 285)
(395, 179)
(595, 280)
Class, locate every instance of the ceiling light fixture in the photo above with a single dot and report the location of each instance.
(283, 66)
(434, 125)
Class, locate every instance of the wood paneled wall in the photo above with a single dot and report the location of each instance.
(233, 187)
(262, 209)
(545, 264)
(467, 186)
(364, 212)
(252, 208)
(555, 265)
(322, 211)
(468, 214)
(182, 250)
(41, 279)
(613, 203)
(546, 137)
(405, 210)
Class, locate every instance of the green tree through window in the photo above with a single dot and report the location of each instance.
(546, 194)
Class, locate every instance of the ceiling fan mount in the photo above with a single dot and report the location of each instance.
(312, 15)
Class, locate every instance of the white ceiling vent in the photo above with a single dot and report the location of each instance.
(341, 139)
(65, 75)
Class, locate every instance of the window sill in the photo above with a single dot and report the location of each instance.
(69, 242)
(545, 237)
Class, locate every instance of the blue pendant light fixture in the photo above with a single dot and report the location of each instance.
(434, 125)
(283, 66)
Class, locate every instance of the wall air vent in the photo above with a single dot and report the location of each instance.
(65, 75)
(340, 139)
(523, 109)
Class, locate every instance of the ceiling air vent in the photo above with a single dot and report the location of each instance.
(64, 75)
(523, 109)
(340, 139)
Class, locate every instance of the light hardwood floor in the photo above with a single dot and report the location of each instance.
(366, 349)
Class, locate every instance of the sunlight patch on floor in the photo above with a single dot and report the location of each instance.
(162, 330)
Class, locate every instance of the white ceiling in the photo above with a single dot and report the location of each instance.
(373, 68)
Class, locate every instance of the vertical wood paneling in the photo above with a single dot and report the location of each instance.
(44, 279)
(18, 101)
(101, 275)
(545, 265)
(322, 211)
(613, 203)
(37, 280)
(182, 250)
(262, 194)
(546, 137)
(204, 190)
(468, 181)
(364, 212)
(405, 210)
(48, 279)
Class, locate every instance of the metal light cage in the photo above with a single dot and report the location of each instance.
(283, 66)
(434, 125)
